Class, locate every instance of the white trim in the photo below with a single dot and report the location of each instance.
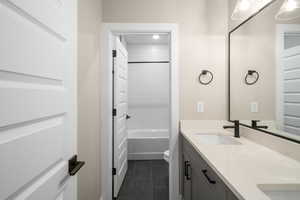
(109, 29)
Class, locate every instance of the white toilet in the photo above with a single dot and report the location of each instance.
(167, 155)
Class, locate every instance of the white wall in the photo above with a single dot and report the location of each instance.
(253, 48)
(148, 87)
(89, 23)
(202, 45)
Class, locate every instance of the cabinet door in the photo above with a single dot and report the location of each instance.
(230, 195)
(204, 184)
(186, 179)
(200, 189)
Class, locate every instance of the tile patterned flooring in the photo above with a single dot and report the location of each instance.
(146, 180)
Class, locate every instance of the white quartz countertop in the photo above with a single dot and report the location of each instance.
(243, 167)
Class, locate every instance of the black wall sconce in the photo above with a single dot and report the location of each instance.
(251, 74)
(203, 74)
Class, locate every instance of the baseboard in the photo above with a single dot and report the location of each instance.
(146, 156)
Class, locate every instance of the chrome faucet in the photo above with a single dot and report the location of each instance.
(236, 128)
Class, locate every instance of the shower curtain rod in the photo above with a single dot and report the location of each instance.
(139, 62)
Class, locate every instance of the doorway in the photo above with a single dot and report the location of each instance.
(141, 115)
(140, 122)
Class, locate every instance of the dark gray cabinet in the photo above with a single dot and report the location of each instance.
(230, 195)
(187, 189)
(200, 182)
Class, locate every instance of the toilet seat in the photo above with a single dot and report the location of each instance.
(167, 155)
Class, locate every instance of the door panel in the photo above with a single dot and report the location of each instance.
(29, 103)
(38, 99)
(47, 186)
(120, 124)
(22, 39)
(30, 153)
(291, 89)
(43, 11)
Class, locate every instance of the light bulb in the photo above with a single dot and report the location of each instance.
(155, 36)
(290, 5)
(244, 5)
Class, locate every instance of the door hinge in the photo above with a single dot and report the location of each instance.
(114, 171)
(114, 112)
(114, 53)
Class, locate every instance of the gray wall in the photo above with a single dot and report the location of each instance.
(202, 44)
(89, 23)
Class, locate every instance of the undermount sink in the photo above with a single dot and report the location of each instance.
(281, 191)
(216, 139)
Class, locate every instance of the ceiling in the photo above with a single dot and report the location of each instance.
(146, 39)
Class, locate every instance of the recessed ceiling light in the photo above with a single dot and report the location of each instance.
(155, 36)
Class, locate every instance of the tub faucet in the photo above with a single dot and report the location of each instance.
(236, 128)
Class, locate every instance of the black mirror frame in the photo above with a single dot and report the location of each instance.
(229, 84)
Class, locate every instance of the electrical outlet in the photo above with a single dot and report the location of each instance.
(200, 107)
(254, 107)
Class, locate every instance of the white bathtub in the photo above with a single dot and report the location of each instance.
(147, 144)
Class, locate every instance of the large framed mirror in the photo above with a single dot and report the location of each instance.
(264, 70)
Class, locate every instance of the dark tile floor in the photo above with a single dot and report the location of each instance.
(146, 180)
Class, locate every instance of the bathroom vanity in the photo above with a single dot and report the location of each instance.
(217, 166)
(199, 180)
(264, 101)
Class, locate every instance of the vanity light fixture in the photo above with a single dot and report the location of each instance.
(290, 9)
(241, 9)
(155, 36)
(244, 5)
(245, 8)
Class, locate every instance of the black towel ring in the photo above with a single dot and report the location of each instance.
(204, 73)
(251, 73)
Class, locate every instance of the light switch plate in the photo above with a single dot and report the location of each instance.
(200, 107)
(254, 107)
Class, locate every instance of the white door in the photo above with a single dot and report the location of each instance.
(120, 108)
(37, 99)
(288, 76)
(291, 89)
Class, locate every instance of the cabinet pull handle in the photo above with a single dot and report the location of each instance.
(185, 168)
(188, 166)
(207, 177)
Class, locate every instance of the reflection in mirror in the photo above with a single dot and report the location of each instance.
(265, 70)
(245, 8)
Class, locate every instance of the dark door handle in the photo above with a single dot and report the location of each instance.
(128, 116)
(207, 177)
(75, 165)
